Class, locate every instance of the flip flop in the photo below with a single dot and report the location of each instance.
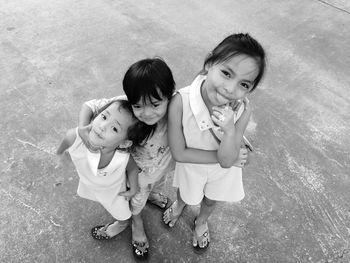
(140, 250)
(159, 202)
(100, 232)
(200, 235)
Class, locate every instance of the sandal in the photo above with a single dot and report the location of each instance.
(200, 235)
(140, 249)
(161, 201)
(100, 232)
(171, 216)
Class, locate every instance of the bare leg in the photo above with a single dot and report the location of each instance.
(201, 227)
(139, 239)
(138, 231)
(171, 215)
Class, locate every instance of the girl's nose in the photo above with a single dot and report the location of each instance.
(147, 111)
(231, 87)
(103, 127)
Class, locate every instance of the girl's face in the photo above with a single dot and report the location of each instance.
(230, 80)
(150, 111)
(109, 128)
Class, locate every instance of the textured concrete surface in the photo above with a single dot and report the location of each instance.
(54, 55)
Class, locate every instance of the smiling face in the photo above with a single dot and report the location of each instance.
(230, 80)
(110, 127)
(151, 110)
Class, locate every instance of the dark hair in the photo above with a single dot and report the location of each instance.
(137, 132)
(237, 44)
(150, 77)
(147, 78)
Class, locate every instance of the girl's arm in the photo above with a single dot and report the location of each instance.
(230, 146)
(90, 108)
(132, 171)
(67, 141)
(176, 138)
(85, 115)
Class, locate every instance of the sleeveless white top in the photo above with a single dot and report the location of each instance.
(101, 185)
(196, 122)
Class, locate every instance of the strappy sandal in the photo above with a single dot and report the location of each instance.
(140, 249)
(201, 234)
(100, 232)
(161, 201)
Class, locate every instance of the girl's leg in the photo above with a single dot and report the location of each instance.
(139, 239)
(156, 195)
(138, 231)
(207, 207)
(201, 236)
(171, 215)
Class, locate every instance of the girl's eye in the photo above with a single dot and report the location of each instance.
(227, 74)
(103, 116)
(155, 105)
(135, 106)
(245, 86)
(115, 129)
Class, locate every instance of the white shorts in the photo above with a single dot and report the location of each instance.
(115, 204)
(216, 183)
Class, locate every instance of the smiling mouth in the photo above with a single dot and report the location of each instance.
(148, 119)
(222, 97)
(97, 134)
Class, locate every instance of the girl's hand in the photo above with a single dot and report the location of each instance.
(242, 159)
(61, 159)
(84, 135)
(247, 107)
(128, 193)
(223, 117)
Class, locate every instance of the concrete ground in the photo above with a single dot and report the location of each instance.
(54, 55)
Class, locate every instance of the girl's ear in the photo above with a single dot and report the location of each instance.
(126, 144)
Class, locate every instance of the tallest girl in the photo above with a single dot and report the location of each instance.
(212, 114)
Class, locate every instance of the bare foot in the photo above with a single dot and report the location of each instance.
(139, 239)
(201, 237)
(171, 215)
(138, 231)
(116, 228)
(158, 199)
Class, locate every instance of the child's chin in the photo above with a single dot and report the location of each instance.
(94, 143)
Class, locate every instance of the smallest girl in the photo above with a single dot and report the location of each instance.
(212, 114)
(104, 174)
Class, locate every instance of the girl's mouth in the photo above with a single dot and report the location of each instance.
(98, 135)
(148, 119)
(223, 99)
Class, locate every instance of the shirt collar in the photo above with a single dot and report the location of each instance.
(198, 107)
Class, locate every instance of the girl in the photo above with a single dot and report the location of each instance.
(103, 174)
(148, 85)
(208, 115)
